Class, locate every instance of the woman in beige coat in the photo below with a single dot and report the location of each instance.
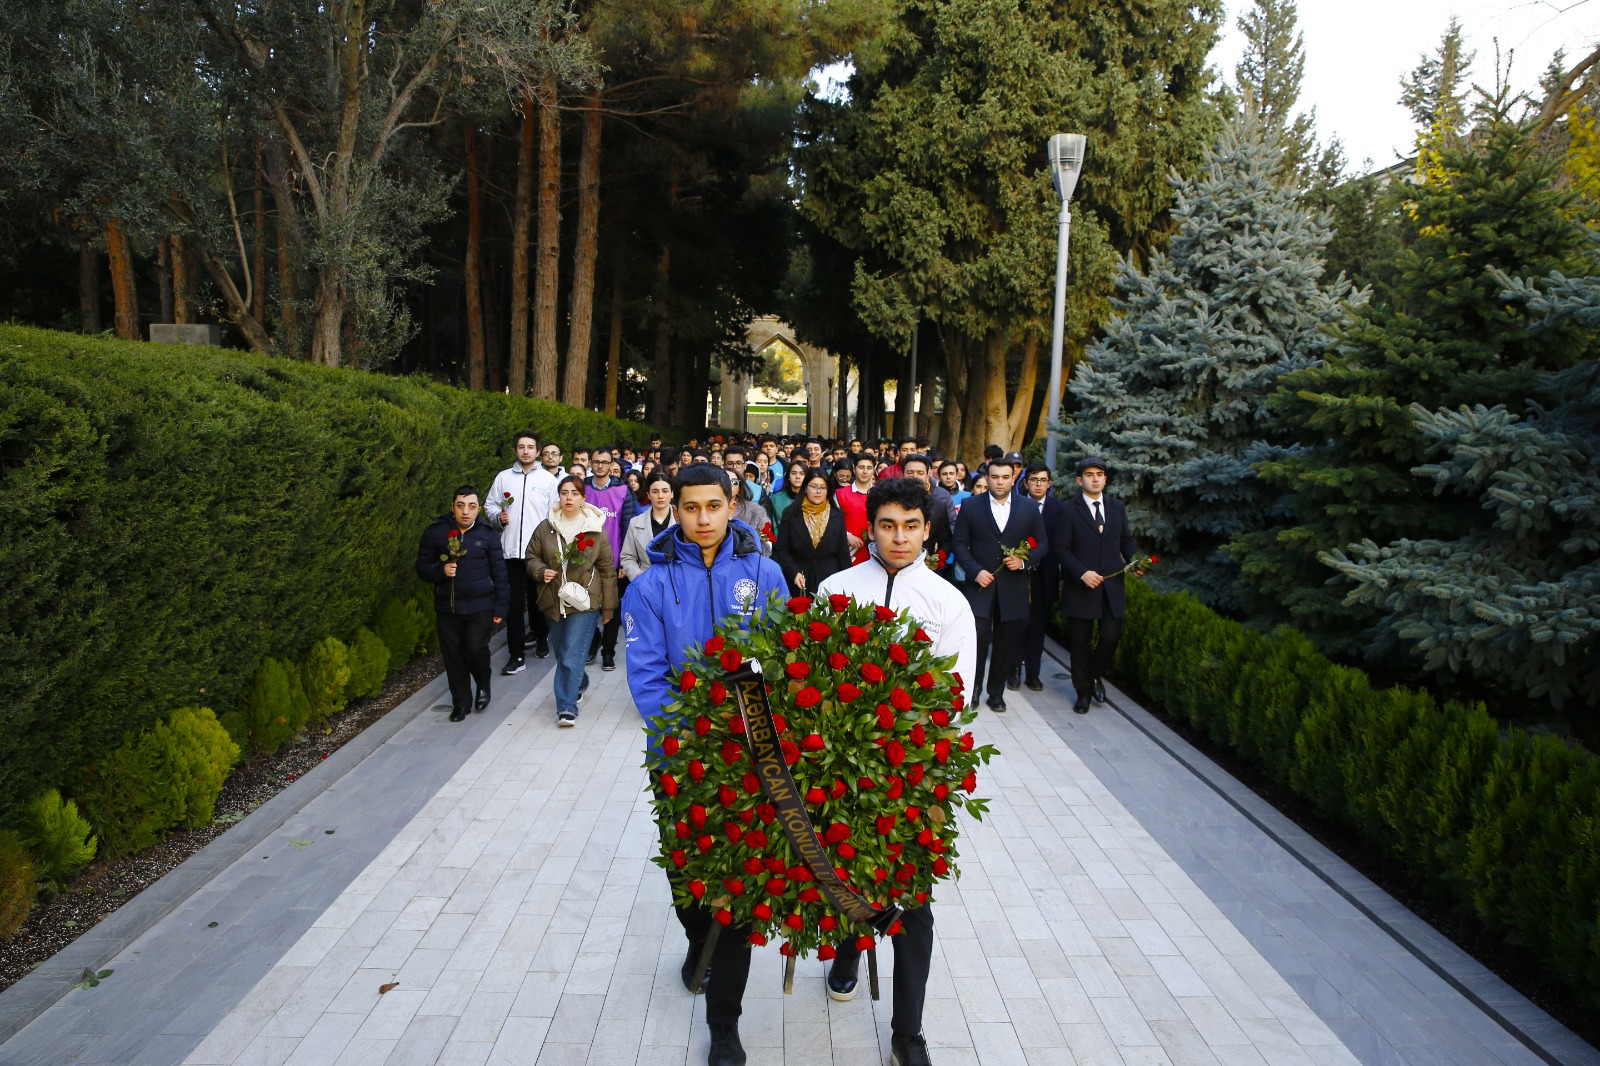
(569, 560)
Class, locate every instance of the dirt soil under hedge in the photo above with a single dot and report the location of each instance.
(107, 884)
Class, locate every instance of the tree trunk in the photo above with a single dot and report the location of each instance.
(583, 253)
(287, 224)
(328, 317)
(955, 392)
(182, 284)
(547, 265)
(88, 285)
(123, 292)
(614, 338)
(258, 306)
(522, 207)
(1027, 386)
(255, 334)
(476, 356)
(164, 278)
(661, 364)
(984, 420)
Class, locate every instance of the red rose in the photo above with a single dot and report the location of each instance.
(798, 671)
(919, 736)
(885, 824)
(751, 783)
(940, 791)
(669, 745)
(920, 636)
(736, 723)
(791, 639)
(913, 813)
(731, 752)
(925, 680)
(697, 770)
(808, 697)
(767, 813)
(734, 830)
(941, 750)
(1032, 544)
(724, 916)
(838, 788)
(865, 943)
(872, 673)
(896, 788)
(1155, 559)
(885, 716)
(967, 742)
(702, 725)
(755, 840)
(882, 613)
(827, 951)
(453, 534)
(813, 742)
(669, 784)
(697, 815)
(838, 602)
(846, 851)
(762, 911)
(758, 939)
(827, 923)
(791, 753)
(686, 682)
(730, 659)
(734, 886)
(848, 692)
(775, 865)
(958, 703)
(865, 783)
(837, 832)
(682, 830)
(895, 752)
(925, 837)
(970, 782)
(900, 699)
(785, 949)
(752, 866)
(794, 921)
(838, 660)
(898, 654)
(780, 724)
(940, 717)
(704, 842)
(819, 631)
(680, 857)
(697, 889)
(799, 604)
(914, 775)
(940, 867)
(816, 795)
(777, 886)
(856, 634)
(718, 692)
(715, 644)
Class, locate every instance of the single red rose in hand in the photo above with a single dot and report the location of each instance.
(730, 659)
(857, 634)
(900, 699)
(808, 697)
(799, 604)
(813, 742)
(799, 671)
(715, 645)
(686, 682)
(838, 660)
(669, 745)
(791, 639)
(453, 534)
(872, 673)
(1032, 544)
(838, 602)
(848, 692)
(669, 784)
(1155, 558)
(898, 653)
(925, 681)
(702, 725)
(819, 631)
(921, 637)
(815, 795)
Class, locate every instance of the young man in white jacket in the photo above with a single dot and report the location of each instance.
(896, 576)
(532, 489)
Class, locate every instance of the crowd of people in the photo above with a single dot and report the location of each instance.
(665, 542)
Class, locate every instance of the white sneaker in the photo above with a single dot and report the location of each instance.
(565, 720)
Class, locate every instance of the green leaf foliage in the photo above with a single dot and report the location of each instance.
(1502, 825)
(369, 665)
(324, 673)
(58, 837)
(271, 714)
(191, 510)
(17, 883)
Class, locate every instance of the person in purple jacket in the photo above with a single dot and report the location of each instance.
(609, 492)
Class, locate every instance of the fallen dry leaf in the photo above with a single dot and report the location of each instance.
(390, 987)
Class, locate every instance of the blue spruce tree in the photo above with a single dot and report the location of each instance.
(1514, 606)
(1174, 395)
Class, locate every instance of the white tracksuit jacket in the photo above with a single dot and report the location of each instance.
(533, 493)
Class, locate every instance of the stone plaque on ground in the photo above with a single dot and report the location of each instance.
(169, 333)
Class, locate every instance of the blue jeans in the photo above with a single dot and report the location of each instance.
(569, 644)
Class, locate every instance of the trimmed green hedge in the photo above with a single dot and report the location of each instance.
(1502, 824)
(176, 515)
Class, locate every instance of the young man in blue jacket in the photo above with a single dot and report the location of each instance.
(701, 571)
(470, 594)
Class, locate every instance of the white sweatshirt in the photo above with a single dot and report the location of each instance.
(938, 606)
(533, 493)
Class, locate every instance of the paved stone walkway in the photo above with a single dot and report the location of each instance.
(1123, 903)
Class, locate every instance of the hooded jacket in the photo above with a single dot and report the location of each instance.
(532, 492)
(675, 604)
(595, 571)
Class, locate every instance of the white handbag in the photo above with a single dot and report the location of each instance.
(571, 595)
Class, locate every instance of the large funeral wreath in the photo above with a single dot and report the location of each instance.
(871, 727)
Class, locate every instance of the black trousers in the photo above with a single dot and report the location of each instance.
(1091, 658)
(517, 624)
(464, 644)
(913, 956)
(730, 962)
(998, 643)
(605, 637)
(1040, 606)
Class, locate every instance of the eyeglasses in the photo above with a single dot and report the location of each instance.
(1039, 479)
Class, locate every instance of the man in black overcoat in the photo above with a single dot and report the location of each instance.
(1046, 578)
(1092, 546)
(997, 584)
(470, 595)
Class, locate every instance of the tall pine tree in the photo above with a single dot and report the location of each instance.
(1441, 337)
(1268, 79)
(1174, 395)
(1514, 604)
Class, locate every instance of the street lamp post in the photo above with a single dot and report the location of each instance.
(1066, 161)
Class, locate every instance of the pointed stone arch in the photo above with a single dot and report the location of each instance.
(819, 372)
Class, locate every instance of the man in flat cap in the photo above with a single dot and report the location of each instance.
(1092, 546)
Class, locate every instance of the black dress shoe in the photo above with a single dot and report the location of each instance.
(458, 715)
(1081, 704)
(482, 701)
(908, 1051)
(725, 1047)
(1014, 681)
(1034, 684)
(690, 961)
(1099, 690)
(842, 977)
(996, 704)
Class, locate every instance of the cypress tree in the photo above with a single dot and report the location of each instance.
(1442, 337)
(1174, 395)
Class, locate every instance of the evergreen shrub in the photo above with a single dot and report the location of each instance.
(293, 493)
(324, 673)
(424, 622)
(165, 778)
(397, 628)
(1504, 825)
(58, 838)
(16, 883)
(369, 665)
(270, 713)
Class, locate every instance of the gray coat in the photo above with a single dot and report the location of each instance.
(636, 544)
